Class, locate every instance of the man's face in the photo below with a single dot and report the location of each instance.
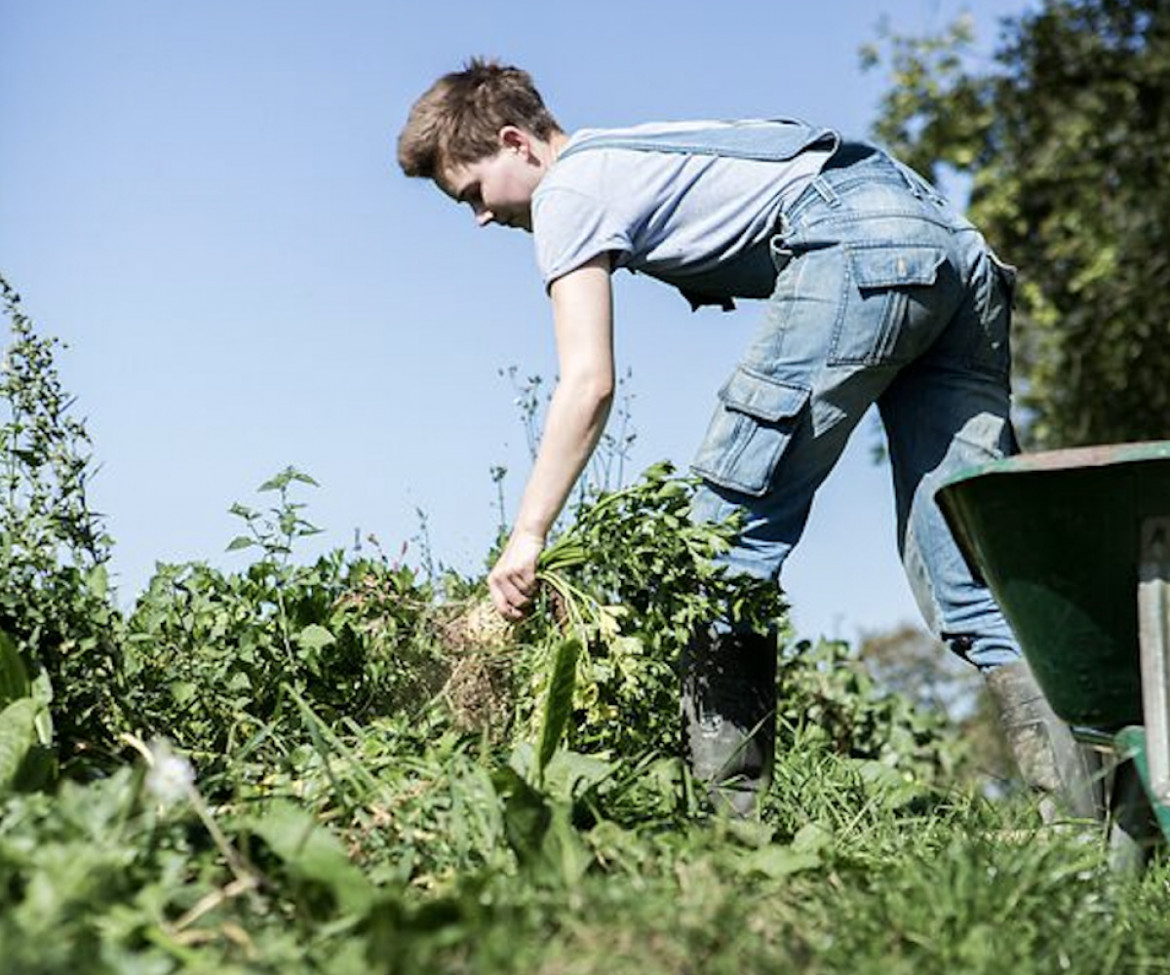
(498, 188)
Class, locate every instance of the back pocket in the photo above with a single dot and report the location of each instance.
(752, 425)
(876, 307)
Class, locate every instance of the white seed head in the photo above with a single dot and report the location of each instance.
(171, 777)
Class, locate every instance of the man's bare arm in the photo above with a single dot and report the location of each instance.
(583, 318)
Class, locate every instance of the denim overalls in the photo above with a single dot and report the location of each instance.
(882, 294)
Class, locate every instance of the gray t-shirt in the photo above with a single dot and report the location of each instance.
(671, 215)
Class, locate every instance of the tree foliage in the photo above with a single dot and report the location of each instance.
(1065, 138)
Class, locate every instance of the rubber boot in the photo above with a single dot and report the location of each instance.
(1134, 831)
(1067, 776)
(729, 717)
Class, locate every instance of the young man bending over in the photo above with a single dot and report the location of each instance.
(875, 291)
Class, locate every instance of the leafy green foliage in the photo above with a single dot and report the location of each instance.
(216, 659)
(559, 703)
(635, 578)
(55, 604)
(100, 880)
(917, 667)
(349, 823)
(307, 802)
(313, 857)
(1066, 141)
(825, 688)
(17, 735)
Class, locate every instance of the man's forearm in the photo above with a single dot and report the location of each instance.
(575, 421)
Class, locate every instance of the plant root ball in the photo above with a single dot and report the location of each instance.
(479, 690)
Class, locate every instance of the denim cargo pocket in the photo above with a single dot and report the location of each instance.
(752, 424)
(876, 303)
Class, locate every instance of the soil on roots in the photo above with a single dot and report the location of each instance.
(480, 645)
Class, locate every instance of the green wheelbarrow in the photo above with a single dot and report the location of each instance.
(1075, 546)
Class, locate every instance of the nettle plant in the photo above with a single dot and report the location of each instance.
(61, 629)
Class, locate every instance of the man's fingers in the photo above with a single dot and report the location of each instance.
(509, 598)
(499, 601)
(512, 581)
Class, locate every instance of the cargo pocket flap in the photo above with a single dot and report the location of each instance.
(761, 396)
(752, 425)
(892, 266)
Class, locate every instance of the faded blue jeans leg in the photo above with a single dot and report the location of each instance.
(939, 423)
(947, 412)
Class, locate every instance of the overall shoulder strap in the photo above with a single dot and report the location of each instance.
(771, 140)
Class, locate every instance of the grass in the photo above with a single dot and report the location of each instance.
(407, 847)
(966, 888)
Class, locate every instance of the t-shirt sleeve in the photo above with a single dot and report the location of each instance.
(570, 227)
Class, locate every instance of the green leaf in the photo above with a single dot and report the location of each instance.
(14, 683)
(99, 581)
(275, 483)
(182, 691)
(775, 862)
(284, 478)
(805, 852)
(239, 542)
(558, 704)
(314, 637)
(311, 852)
(570, 773)
(527, 815)
(17, 737)
(540, 832)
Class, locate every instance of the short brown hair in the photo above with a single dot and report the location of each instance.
(458, 119)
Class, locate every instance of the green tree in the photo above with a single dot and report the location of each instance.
(1064, 137)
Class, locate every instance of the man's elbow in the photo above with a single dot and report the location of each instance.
(602, 391)
(592, 386)
(592, 394)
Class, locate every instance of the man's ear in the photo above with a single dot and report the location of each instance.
(514, 139)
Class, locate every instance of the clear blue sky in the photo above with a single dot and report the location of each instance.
(201, 199)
